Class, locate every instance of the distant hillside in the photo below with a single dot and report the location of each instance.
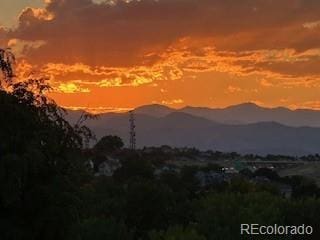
(251, 113)
(154, 110)
(182, 129)
(245, 113)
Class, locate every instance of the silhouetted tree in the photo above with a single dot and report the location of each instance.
(134, 167)
(108, 144)
(41, 165)
(7, 60)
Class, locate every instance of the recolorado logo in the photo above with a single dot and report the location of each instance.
(257, 229)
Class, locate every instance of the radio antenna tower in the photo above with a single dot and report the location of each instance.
(132, 131)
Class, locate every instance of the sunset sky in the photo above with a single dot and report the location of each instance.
(119, 54)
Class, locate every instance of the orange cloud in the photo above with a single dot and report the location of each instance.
(97, 110)
(71, 88)
(170, 102)
(306, 105)
(312, 25)
(233, 89)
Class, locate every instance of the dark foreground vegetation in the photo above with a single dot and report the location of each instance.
(48, 191)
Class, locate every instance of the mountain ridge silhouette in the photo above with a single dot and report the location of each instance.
(182, 129)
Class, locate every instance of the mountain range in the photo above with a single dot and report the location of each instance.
(242, 114)
(244, 128)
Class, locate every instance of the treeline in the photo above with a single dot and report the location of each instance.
(193, 153)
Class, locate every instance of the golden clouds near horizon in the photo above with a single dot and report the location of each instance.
(252, 73)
